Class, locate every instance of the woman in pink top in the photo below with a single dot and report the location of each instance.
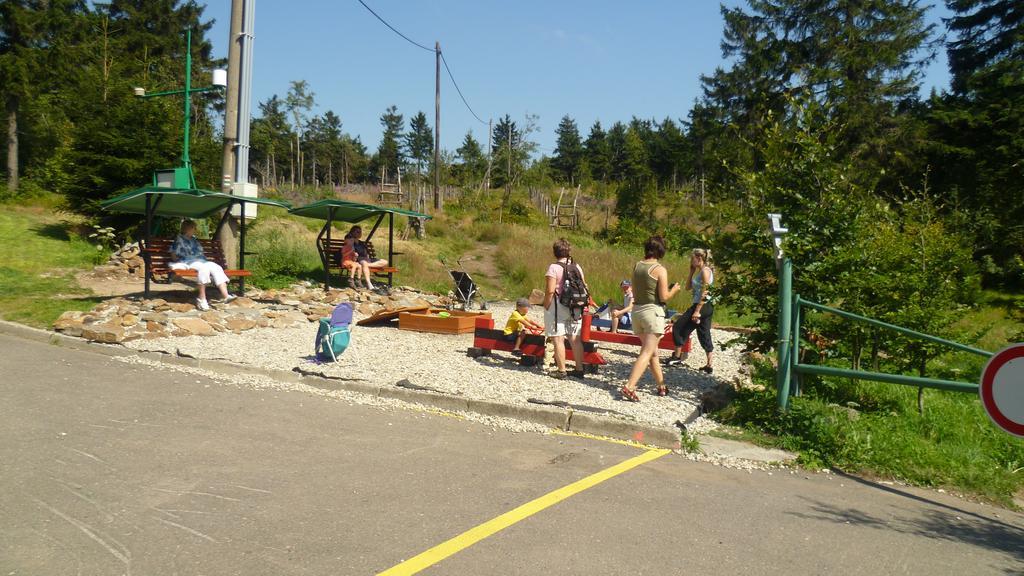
(559, 323)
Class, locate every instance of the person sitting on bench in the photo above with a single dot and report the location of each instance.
(363, 255)
(620, 314)
(518, 324)
(189, 255)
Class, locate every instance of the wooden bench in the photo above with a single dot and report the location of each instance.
(333, 250)
(158, 252)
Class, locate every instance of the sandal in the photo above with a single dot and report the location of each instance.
(629, 395)
(663, 390)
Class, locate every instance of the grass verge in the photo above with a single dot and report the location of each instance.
(876, 429)
(39, 257)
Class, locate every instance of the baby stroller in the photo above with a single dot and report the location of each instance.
(465, 288)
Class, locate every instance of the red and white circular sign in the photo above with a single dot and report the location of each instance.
(1002, 389)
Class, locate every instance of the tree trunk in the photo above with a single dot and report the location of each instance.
(291, 163)
(12, 144)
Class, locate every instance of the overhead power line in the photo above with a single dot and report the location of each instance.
(395, 30)
(418, 45)
(468, 107)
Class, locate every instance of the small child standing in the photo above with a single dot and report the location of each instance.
(518, 324)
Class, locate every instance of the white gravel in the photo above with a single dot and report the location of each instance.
(385, 355)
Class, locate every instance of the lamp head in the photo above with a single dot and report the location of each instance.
(777, 231)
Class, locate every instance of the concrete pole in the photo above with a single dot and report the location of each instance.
(229, 234)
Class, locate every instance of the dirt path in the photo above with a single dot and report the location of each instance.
(481, 263)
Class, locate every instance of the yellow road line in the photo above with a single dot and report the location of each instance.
(630, 443)
(474, 535)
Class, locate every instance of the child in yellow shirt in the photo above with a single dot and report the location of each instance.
(518, 324)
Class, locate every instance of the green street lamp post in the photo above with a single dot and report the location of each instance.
(183, 177)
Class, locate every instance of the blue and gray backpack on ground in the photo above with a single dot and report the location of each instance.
(333, 335)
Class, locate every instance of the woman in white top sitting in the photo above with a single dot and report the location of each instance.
(189, 254)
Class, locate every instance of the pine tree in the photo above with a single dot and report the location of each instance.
(568, 151)
(669, 156)
(119, 140)
(635, 199)
(506, 142)
(473, 160)
(35, 63)
(419, 141)
(988, 32)
(389, 153)
(861, 60)
(597, 154)
(616, 141)
(977, 132)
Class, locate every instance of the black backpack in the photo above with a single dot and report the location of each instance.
(574, 294)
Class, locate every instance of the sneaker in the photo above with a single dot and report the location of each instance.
(202, 304)
(578, 374)
(707, 369)
(517, 352)
(559, 374)
(230, 298)
(672, 361)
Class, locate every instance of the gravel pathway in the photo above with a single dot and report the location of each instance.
(385, 355)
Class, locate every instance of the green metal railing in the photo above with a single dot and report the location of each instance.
(788, 349)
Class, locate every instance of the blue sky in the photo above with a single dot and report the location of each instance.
(590, 59)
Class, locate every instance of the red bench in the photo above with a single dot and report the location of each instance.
(158, 251)
(486, 339)
(590, 333)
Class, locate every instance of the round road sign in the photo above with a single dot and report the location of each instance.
(1002, 389)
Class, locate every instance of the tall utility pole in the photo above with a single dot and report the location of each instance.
(490, 152)
(228, 234)
(231, 100)
(437, 127)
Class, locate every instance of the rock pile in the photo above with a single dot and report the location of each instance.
(122, 319)
(125, 262)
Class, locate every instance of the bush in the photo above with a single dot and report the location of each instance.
(285, 252)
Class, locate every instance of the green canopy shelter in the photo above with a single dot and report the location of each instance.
(184, 203)
(351, 212)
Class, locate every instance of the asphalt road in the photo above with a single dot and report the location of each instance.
(110, 468)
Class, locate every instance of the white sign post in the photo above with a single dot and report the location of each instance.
(1002, 389)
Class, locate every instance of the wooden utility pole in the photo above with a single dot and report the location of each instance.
(490, 154)
(437, 126)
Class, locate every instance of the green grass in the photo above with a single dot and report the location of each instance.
(38, 261)
(876, 429)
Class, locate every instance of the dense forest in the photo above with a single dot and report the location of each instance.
(817, 115)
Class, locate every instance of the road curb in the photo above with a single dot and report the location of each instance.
(566, 420)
